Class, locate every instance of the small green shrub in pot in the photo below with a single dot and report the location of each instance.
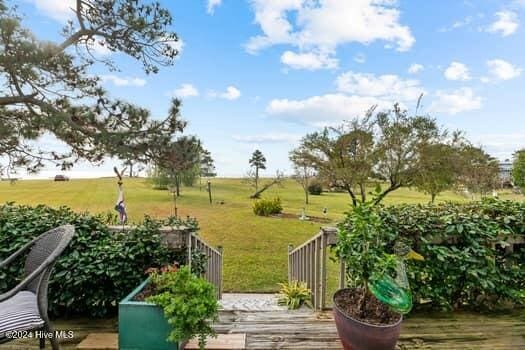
(294, 294)
(315, 188)
(188, 302)
(267, 207)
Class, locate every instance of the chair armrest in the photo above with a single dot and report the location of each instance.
(17, 253)
(49, 261)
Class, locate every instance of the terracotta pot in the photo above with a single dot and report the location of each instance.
(358, 335)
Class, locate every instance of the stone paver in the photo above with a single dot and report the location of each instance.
(250, 302)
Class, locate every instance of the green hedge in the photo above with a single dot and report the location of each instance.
(469, 269)
(97, 270)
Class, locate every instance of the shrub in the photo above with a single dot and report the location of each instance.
(267, 207)
(188, 302)
(315, 188)
(294, 294)
(98, 268)
(465, 265)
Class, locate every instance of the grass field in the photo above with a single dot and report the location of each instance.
(255, 248)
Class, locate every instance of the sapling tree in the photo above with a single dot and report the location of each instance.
(304, 171)
(257, 163)
(518, 168)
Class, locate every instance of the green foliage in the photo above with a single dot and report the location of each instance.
(363, 244)
(267, 207)
(49, 87)
(97, 270)
(188, 302)
(466, 266)
(315, 188)
(518, 168)
(294, 294)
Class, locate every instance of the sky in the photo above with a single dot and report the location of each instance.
(261, 74)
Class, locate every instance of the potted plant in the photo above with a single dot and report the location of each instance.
(368, 314)
(169, 308)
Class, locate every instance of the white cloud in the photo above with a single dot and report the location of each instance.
(123, 81)
(309, 60)
(186, 90)
(329, 109)
(502, 70)
(231, 93)
(456, 101)
(415, 68)
(457, 71)
(458, 24)
(60, 10)
(388, 86)
(500, 145)
(212, 4)
(360, 58)
(268, 138)
(326, 24)
(506, 23)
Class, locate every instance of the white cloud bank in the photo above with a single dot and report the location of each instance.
(415, 68)
(309, 60)
(321, 26)
(506, 23)
(212, 4)
(268, 138)
(122, 81)
(502, 70)
(231, 93)
(60, 10)
(186, 90)
(457, 71)
(455, 101)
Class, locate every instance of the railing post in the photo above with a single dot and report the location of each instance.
(188, 247)
(221, 250)
(290, 263)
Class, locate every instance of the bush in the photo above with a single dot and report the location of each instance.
(188, 302)
(267, 207)
(98, 268)
(315, 188)
(465, 266)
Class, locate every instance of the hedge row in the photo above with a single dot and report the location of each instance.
(469, 269)
(97, 270)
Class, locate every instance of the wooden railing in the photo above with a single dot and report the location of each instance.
(213, 268)
(179, 238)
(308, 263)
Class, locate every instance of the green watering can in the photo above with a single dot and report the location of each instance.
(395, 292)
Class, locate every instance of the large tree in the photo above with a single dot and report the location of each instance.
(518, 168)
(48, 87)
(379, 146)
(478, 170)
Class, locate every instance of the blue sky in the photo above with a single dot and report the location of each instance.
(263, 73)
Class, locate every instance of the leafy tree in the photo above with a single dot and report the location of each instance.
(478, 170)
(48, 88)
(304, 171)
(207, 166)
(257, 161)
(382, 145)
(181, 156)
(518, 168)
(437, 170)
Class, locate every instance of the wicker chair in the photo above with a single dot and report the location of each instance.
(24, 308)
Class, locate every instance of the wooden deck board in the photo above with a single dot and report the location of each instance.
(308, 330)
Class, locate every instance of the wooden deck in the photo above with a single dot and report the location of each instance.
(308, 330)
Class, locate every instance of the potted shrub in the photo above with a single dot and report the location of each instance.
(166, 310)
(368, 313)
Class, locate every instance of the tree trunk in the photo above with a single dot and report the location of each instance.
(433, 195)
(177, 185)
(306, 195)
(257, 194)
(256, 179)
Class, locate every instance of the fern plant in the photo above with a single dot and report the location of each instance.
(294, 294)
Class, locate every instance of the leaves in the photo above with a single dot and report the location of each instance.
(294, 294)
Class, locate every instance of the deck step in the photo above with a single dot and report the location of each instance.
(109, 341)
(99, 341)
(235, 341)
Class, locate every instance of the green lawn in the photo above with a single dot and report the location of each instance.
(255, 248)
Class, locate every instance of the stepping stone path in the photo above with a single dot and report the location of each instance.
(250, 302)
